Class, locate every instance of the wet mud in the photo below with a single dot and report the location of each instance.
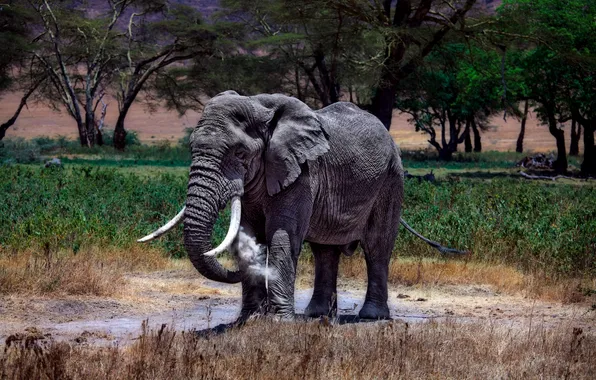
(186, 302)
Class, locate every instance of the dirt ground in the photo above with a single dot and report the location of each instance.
(183, 299)
(162, 125)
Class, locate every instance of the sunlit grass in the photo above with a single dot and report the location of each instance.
(268, 349)
(93, 272)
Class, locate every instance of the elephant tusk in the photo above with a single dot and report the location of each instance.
(165, 228)
(232, 232)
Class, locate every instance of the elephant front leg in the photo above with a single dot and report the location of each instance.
(281, 274)
(254, 298)
(324, 297)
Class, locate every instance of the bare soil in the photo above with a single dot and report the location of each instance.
(184, 300)
(39, 120)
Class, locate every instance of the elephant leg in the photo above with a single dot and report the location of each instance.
(254, 298)
(283, 257)
(254, 293)
(324, 297)
(287, 217)
(378, 244)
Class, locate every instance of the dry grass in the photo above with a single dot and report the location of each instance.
(298, 350)
(92, 271)
(437, 272)
(100, 272)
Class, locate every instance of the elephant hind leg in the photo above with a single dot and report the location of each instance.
(324, 297)
(377, 244)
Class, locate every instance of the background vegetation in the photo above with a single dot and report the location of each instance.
(479, 203)
(451, 65)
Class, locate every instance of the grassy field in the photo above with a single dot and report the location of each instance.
(71, 234)
(103, 199)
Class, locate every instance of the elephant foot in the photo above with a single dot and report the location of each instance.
(318, 309)
(374, 311)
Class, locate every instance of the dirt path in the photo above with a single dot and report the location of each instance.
(185, 300)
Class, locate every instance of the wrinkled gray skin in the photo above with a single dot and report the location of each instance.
(331, 177)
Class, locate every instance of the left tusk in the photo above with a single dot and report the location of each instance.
(232, 232)
(162, 230)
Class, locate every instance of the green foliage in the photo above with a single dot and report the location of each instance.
(13, 39)
(184, 141)
(56, 209)
(559, 68)
(131, 139)
(19, 150)
(457, 88)
(545, 228)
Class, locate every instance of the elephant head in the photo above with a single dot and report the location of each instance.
(242, 147)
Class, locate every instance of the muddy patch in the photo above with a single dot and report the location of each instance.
(187, 302)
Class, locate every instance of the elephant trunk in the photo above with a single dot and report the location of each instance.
(205, 199)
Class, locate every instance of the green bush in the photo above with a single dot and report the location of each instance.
(131, 139)
(538, 227)
(184, 141)
(19, 150)
(548, 228)
(85, 206)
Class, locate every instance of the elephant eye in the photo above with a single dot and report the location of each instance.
(240, 118)
(240, 153)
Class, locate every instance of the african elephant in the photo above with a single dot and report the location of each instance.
(331, 177)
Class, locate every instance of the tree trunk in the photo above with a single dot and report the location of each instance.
(99, 137)
(575, 136)
(90, 127)
(588, 166)
(477, 137)
(468, 140)
(298, 87)
(119, 131)
(10, 122)
(560, 164)
(82, 133)
(519, 147)
(330, 86)
(446, 153)
(382, 104)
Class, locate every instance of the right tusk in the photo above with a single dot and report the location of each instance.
(168, 226)
(232, 232)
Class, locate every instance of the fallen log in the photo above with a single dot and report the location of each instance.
(529, 176)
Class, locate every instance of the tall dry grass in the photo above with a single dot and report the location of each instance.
(93, 271)
(504, 278)
(318, 350)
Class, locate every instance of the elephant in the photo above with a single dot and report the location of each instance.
(331, 177)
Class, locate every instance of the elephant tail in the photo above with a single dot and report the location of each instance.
(444, 250)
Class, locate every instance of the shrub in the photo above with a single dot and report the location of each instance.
(19, 150)
(132, 137)
(184, 141)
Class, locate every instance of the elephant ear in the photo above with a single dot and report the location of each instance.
(297, 136)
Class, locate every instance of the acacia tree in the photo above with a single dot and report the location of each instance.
(317, 44)
(151, 47)
(15, 22)
(76, 60)
(410, 31)
(452, 95)
(339, 45)
(78, 55)
(559, 65)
